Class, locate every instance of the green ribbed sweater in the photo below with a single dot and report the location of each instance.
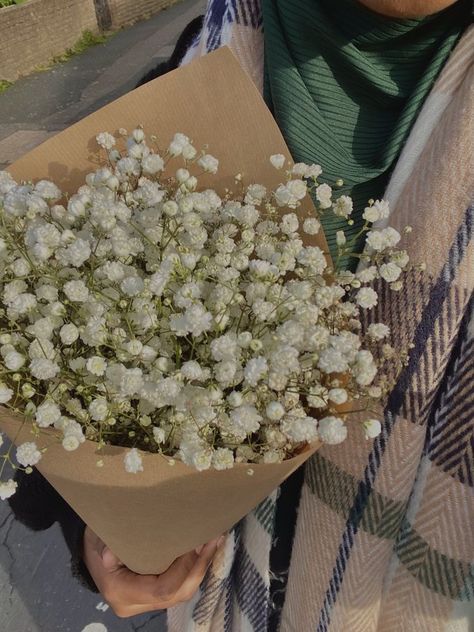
(345, 86)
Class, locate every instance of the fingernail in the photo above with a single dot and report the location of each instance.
(198, 549)
(221, 541)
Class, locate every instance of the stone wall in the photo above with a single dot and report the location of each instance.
(34, 32)
(127, 11)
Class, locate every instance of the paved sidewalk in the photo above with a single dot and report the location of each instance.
(40, 105)
(37, 590)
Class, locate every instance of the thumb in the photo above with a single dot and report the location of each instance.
(110, 561)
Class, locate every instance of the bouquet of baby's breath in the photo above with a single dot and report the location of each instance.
(148, 313)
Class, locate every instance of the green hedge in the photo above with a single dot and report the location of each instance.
(9, 3)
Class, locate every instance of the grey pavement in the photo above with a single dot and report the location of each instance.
(40, 105)
(37, 590)
(39, 594)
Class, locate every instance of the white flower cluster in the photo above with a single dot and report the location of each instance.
(145, 312)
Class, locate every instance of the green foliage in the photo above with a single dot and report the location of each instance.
(4, 84)
(10, 3)
(86, 40)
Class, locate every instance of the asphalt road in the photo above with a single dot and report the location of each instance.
(38, 106)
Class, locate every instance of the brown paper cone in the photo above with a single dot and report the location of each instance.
(211, 100)
(150, 518)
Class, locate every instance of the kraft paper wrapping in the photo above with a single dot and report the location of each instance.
(150, 518)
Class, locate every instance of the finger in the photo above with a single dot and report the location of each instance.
(171, 588)
(198, 572)
(110, 561)
(132, 594)
(92, 542)
(127, 588)
(114, 580)
(124, 589)
(168, 584)
(92, 554)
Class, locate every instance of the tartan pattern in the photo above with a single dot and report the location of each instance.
(452, 441)
(433, 569)
(384, 539)
(385, 518)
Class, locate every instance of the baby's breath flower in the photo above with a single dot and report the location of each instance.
(99, 409)
(5, 393)
(366, 297)
(277, 160)
(274, 411)
(105, 140)
(323, 195)
(245, 419)
(14, 360)
(378, 240)
(255, 370)
(366, 275)
(299, 428)
(44, 369)
(331, 430)
(138, 135)
(372, 428)
(76, 291)
(69, 334)
(338, 395)
(7, 488)
(199, 326)
(189, 152)
(378, 331)
(390, 271)
(378, 210)
(28, 454)
(343, 206)
(235, 399)
(159, 435)
(177, 145)
(96, 365)
(223, 459)
(27, 390)
(311, 226)
(47, 414)
(255, 194)
(208, 163)
(133, 461)
(70, 443)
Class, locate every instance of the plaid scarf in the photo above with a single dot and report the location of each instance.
(384, 537)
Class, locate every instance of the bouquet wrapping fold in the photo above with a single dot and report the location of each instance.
(150, 518)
